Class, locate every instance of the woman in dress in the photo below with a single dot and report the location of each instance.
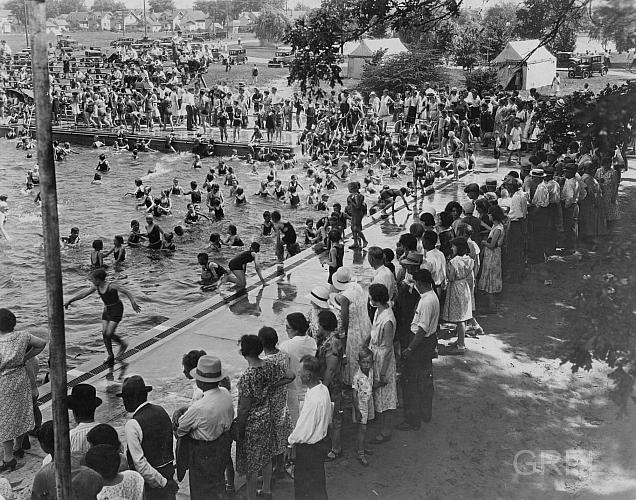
(257, 442)
(16, 406)
(128, 484)
(283, 423)
(457, 306)
(591, 217)
(490, 279)
(355, 324)
(608, 178)
(384, 369)
(113, 310)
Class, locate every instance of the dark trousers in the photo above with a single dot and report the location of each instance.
(207, 467)
(417, 383)
(309, 474)
(570, 226)
(515, 250)
(162, 493)
(189, 117)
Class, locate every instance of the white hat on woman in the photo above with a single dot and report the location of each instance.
(319, 296)
(341, 278)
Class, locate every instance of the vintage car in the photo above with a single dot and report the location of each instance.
(236, 55)
(563, 60)
(67, 44)
(282, 57)
(586, 66)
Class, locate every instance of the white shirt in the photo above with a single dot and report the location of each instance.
(570, 192)
(383, 276)
(77, 436)
(426, 314)
(435, 262)
(314, 418)
(297, 347)
(208, 417)
(134, 436)
(518, 206)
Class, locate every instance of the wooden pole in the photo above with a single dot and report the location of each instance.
(52, 268)
(26, 24)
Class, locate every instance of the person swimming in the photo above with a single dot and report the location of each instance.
(267, 226)
(239, 196)
(97, 178)
(103, 165)
(72, 239)
(176, 189)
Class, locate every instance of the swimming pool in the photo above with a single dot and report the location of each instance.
(163, 284)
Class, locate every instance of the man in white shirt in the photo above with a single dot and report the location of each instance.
(434, 260)
(82, 402)
(382, 274)
(299, 344)
(418, 356)
(149, 440)
(309, 433)
(570, 207)
(207, 423)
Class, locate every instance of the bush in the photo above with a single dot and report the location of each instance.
(481, 79)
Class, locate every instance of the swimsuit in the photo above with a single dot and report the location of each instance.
(117, 253)
(154, 238)
(113, 307)
(239, 263)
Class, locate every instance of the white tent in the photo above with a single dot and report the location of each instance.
(515, 72)
(364, 51)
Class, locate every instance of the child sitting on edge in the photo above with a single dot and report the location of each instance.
(363, 399)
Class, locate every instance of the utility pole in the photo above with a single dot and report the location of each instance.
(51, 231)
(26, 24)
(145, 22)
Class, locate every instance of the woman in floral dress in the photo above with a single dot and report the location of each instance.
(490, 279)
(384, 369)
(592, 221)
(608, 179)
(458, 302)
(16, 405)
(354, 318)
(283, 423)
(257, 417)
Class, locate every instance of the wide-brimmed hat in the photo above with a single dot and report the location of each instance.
(334, 302)
(134, 385)
(412, 259)
(341, 278)
(83, 396)
(537, 172)
(319, 296)
(208, 369)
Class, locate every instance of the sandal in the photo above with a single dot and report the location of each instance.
(362, 459)
(333, 455)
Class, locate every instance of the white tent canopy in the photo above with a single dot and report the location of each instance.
(364, 51)
(517, 72)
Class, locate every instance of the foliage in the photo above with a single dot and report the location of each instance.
(552, 21)
(317, 38)
(161, 5)
(16, 7)
(58, 7)
(482, 79)
(468, 45)
(399, 72)
(615, 21)
(271, 26)
(108, 5)
(500, 23)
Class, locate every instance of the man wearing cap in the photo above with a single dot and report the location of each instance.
(149, 440)
(207, 423)
(407, 298)
(418, 355)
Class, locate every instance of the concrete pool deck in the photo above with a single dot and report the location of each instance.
(216, 325)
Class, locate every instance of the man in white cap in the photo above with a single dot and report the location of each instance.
(207, 423)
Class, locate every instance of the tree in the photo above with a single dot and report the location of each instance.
(271, 26)
(500, 23)
(161, 5)
(553, 22)
(108, 6)
(482, 79)
(468, 45)
(16, 7)
(615, 21)
(400, 72)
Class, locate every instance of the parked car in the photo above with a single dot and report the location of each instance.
(282, 57)
(586, 66)
(237, 55)
(67, 44)
(122, 42)
(563, 60)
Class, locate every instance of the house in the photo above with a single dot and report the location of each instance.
(523, 65)
(366, 49)
(125, 19)
(188, 20)
(102, 20)
(80, 20)
(245, 22)
(212, 26)
(5, 21)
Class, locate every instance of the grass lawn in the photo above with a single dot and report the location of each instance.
(267, 77)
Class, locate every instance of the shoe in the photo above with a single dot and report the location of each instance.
(362, 459)
(404, 426)
(455, 350)
(379, 439)
(333, 455)
(10, 465)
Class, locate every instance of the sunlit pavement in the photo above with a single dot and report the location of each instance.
(218, 331)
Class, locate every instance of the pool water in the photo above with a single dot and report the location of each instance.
(164, 284)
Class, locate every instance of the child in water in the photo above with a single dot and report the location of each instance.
(267, 225)
(97, 179)
(215, 242)
(239, 196)
(168, 243)
(210, 270)
(310, 233)
(97, 257)
(232, 239)
(197, 162)
(72, 239)
(135, 235)
(118, 250)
